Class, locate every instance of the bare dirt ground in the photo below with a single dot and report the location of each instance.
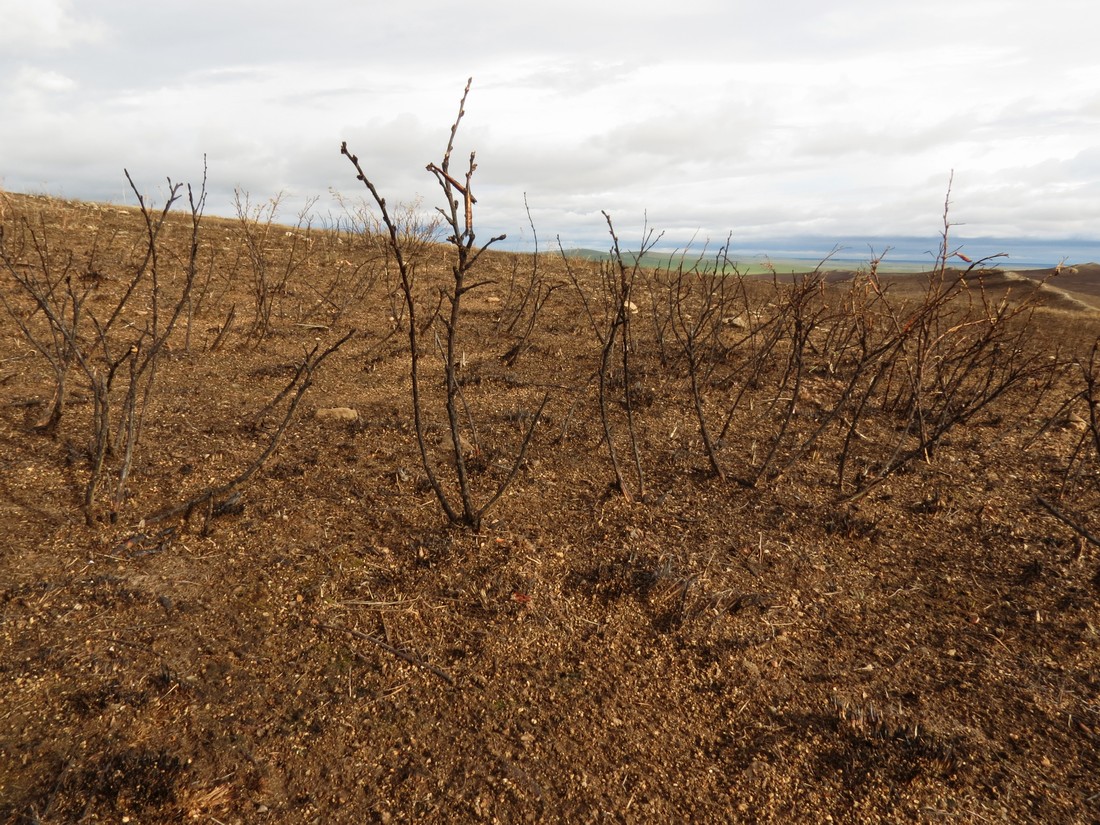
(325, 647)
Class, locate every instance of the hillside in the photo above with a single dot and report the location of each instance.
(874, 597)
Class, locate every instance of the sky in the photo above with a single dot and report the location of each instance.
(785, 121)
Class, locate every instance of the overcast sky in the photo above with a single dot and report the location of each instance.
(764, 118)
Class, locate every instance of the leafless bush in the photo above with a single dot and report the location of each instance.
(800, 314)
(200, 289)
(118, 358)
(701, 302)
(1079, 412)
(1080, 480)
(954, 353)
(754, 356)
(458, 217)
(802, 364)
(55, 293)
(370, 245)
(346, 270)
(525, 300)
(837, 351)
(220, 498)
(860, 350)
(746, 348)
(272, 264)
(610, 315)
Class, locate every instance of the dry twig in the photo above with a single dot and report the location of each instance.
(411, 658)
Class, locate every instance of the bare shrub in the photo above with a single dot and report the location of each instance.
(272, 263)
(458, 218)
(28, 258)
(610, 315)
(956, 351)
(1079, 485)
(221, 497)
(525, 300)
(370, 244)
(701, 302)
(118, 351)
(347, 269)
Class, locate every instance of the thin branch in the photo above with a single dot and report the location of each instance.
(411, 658)
(208, 495)
(1079, 529)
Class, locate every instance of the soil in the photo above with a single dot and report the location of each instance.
(322, 645)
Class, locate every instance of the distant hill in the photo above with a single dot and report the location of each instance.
(746, 263)
(907, 254)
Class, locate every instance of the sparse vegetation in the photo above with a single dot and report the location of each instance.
(844, 560)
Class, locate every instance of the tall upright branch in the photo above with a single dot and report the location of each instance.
(462, 237)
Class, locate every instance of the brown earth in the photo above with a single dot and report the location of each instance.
(327, 648)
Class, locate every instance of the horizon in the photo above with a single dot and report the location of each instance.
(1004, 253)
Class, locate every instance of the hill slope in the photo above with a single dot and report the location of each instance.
(824, 631)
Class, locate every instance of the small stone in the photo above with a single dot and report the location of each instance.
(336, 415)
(1075, 422)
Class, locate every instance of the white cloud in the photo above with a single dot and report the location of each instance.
(44, 24)
(33, 81)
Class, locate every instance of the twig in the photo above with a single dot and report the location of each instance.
(400, 654)
(208, 496)
(1066, 520)
(431, 167)
(220, 339)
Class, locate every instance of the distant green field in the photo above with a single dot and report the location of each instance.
(749, 264)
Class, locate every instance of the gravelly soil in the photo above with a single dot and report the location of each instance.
(326, 648)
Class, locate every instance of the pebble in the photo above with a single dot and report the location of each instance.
(336, 415)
